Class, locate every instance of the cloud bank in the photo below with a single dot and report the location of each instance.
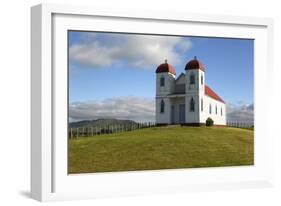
(139, 51)
(240, 113)
(128, 108)
(141, 110)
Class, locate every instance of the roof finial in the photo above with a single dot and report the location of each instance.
(166, 61)
(195, 57)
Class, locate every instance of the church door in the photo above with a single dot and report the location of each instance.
(173, 114)
(182, 113)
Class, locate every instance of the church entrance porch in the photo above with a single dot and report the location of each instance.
(177, 110)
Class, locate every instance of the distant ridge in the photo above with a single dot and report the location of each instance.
(100, 123)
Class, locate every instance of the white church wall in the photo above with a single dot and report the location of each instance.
(161, 93)
(193, 91)
(169, 86)
(217, 117)
(191, 117)
(201, 94)
(163, 117)
(191, 88)
(201, 84)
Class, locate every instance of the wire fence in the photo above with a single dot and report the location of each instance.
(106, 129)
(110, 129)
(240, 124)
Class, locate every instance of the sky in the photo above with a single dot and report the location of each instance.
(112, 75)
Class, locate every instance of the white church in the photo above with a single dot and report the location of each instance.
(186, 99)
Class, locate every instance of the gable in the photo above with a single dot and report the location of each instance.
(181, 79)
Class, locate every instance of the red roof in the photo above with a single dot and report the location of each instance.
(209, 92)
(165, 68)
(194, 64)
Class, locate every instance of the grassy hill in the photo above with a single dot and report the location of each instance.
(162, 148)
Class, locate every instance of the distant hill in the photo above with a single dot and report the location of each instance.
(101, 123)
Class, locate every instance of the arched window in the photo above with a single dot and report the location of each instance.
(191, 105)
(221, 111)
(162, 106)
(201, 79)
(216, 109)
(202, 105)
(192, 79)
(210, 109)
(162, 82)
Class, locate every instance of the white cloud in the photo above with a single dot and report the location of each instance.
(240, 112)
(129, 108)
(141, 51)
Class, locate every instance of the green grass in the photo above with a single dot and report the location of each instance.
(162, 148)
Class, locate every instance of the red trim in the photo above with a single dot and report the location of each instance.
(209, 92)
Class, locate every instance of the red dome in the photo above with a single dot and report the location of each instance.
(194, 64)
(166, 68)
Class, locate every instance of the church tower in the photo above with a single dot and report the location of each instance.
(165, 85)
(195, 91)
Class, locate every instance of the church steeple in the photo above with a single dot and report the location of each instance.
(194, 64)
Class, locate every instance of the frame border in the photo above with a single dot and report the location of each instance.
(42, 154)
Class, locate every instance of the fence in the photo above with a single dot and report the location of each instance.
(106, 129)
(240, 124)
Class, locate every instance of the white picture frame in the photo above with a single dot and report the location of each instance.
(49, 178)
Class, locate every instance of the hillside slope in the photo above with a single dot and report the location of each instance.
(162, 148)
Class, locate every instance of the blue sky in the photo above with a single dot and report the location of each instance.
(111, 66)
